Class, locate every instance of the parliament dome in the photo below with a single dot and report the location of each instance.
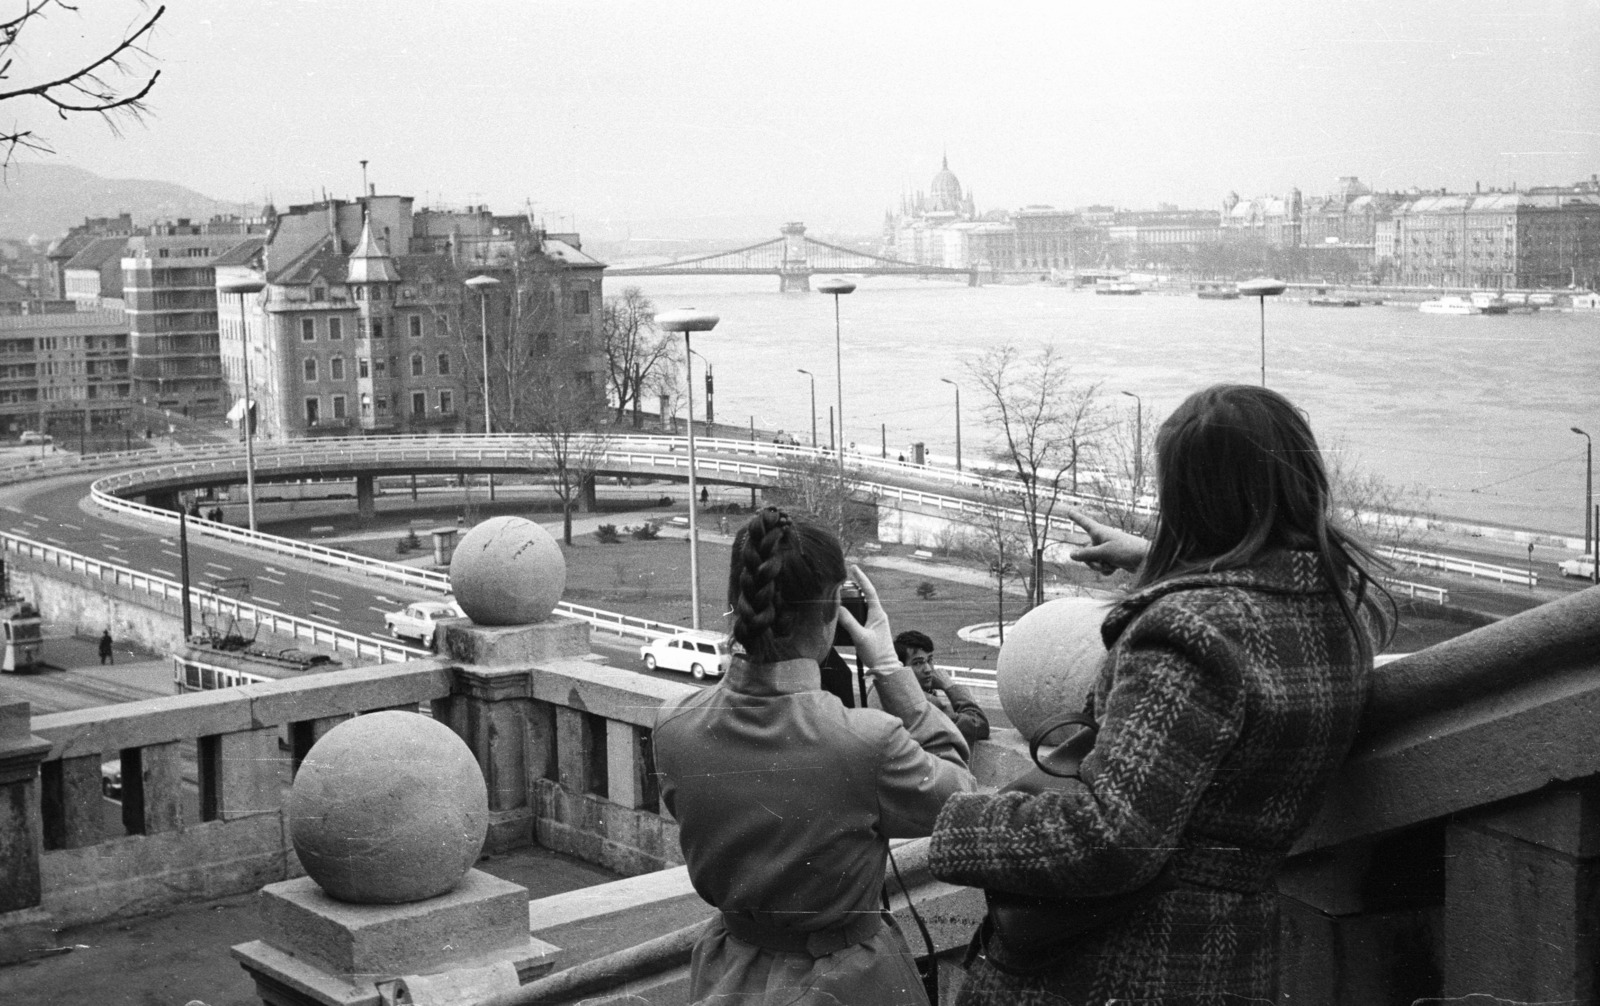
(946, 188)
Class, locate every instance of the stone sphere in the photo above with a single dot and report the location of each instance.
(508, 571)
(1050, 660)
(388, 808)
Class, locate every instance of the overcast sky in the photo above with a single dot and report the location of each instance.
(661, 119)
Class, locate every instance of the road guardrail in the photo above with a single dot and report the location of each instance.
(1471, 567)
(363, 648)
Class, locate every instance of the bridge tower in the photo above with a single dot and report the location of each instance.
(794, 274)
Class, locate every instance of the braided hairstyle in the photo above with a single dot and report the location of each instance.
(782, 577)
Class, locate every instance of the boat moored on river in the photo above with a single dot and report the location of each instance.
(1217, 291)
(1449, 305)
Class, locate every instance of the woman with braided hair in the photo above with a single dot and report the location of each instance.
(1231, 689)
(786, 800)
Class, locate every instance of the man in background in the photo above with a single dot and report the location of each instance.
(915, 650)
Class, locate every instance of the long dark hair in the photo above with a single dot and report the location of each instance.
(784, 575)
(1238, 474)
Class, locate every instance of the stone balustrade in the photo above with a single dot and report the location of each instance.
(1458, 850)
(563, 742)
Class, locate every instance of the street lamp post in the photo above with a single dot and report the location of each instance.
(838, 288)
(483, 284)
(1589, 530)
(243, 287)
(958, 419)
(1138, 448)
(686, 321)
(813, 404)
(1261, 288)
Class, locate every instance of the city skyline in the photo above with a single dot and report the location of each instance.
(637, 121)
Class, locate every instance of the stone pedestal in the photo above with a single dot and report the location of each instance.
(24, 926)
(491, 708)
(333, 953)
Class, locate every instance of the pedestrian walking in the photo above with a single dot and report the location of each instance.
(107, 655)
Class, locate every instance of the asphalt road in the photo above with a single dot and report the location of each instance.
(58, 511)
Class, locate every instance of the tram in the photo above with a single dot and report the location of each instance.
(24, 637)
(203, 668)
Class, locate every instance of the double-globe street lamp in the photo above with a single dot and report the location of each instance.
(958, 419)
(247, 420)
(1261, 288)
(689, 320)
(813, 404)
(1591, 546)
(838, 288)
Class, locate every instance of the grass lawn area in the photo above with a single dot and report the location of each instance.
(650, 579)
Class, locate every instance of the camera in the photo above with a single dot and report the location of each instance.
(854, 601)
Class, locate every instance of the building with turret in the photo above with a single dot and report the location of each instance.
(366, 326)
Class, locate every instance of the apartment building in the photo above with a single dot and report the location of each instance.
(63, 372)
(170, 293)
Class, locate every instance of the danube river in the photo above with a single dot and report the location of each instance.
(1476, 411)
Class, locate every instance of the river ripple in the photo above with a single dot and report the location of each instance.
(1476, 410)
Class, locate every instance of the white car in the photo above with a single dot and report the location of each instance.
(1582, 567)
(34, 437)
(700, 654)
(419, 621)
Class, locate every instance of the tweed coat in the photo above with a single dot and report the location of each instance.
(1226, 702)
(785, 802)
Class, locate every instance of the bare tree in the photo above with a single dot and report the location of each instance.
(811, 486)
(634, 348)
(1379, 512)
(1042, 423)
(1000, 544)
(108, 84)
(560, 413)
(1124, 475)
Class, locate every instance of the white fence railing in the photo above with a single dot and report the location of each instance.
(1438, 595)
(1488, 571)
(364, 648)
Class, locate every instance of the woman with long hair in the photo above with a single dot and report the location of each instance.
(786, 800)
(1232, 688)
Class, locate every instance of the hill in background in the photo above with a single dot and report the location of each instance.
(45, 199)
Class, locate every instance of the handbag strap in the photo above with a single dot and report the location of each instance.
(1088, 728)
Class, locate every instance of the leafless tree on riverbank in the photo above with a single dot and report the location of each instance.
(1044, 424)
(636, 352)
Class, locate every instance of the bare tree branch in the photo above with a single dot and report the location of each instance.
(83, 90)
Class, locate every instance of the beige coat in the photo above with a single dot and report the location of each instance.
(785, 802)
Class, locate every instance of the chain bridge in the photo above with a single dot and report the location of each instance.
(793, 258)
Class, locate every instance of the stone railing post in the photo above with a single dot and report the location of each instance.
(491, 708)
(24, 925)
(1520, 918)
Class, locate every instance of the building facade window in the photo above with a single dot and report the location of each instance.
(366, 404)
(380, 366)
(383, 405)
(308, 330)
(311, 368)
(377, 328)
(416, 364)
(580, 302)
(313, 408)
(338, 407)
(335, 328)
(363, 368)
(336, 368)
(444, 364)
(447, 402)
(419, 403)
(416, 326)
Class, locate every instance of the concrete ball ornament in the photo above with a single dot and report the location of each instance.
(388, 808)
(508, 571)
(1050, 660)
